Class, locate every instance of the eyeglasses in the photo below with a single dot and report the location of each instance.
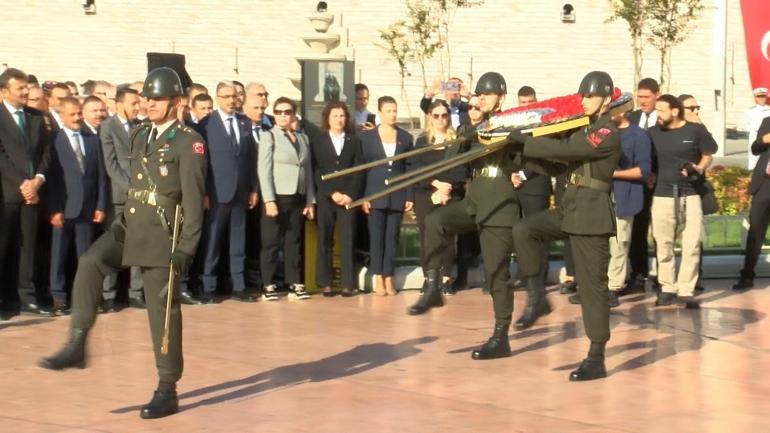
(233, 96)
(440, 116)
(474, 107)
(283, 112)
(693, 108)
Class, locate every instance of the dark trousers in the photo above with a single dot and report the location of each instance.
(285, 230)
(558, 193)
(592, 257)
(532, 205)
(129, 278)
(10, 247)
(759, 215)
(106, 256)
(251, 270)
(384, 227)
(221, 218)
(637, 251)
(453, 219)
(82, 232)
(35, 254)
(422, 207)
(329, 215)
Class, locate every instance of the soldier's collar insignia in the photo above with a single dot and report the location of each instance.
(171, 134)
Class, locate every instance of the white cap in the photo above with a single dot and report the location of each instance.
(760, 91)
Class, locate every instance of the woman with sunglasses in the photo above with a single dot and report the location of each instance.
(286, 182)
(385, 213)
(437, 192)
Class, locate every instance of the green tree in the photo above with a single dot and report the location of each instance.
(634, 13)
(398, 45)
(669, 23)
(444, 12)
(424, 29)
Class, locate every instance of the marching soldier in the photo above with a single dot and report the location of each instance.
(167, 168)
(586, 214)
(491, 207)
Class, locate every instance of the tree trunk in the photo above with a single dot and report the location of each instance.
(637, 49)
(665, 68)
(406, 99)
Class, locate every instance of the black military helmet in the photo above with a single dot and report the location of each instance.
(491, 82)
(597, 83)
(162, 82)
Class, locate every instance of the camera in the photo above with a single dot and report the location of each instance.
(450, 86)
(692, 172)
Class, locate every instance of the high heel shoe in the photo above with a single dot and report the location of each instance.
(389, 289)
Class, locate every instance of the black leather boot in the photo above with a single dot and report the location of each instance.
(164, 403)
(537, 304)
(72, 355)
(590, 369)
(431, 297)
(497, 346)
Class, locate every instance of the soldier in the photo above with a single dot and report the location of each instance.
(167, 168)
(585, 216)
(491, 207)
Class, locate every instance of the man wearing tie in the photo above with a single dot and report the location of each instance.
(230, 187)
(24, 160)
(114, 133)
(647, 92)
(78, 191)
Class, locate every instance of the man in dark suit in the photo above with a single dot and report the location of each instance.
(452, 89)
(335, 148)
(113, 134)
(78, 191)
(647, 92)
(759, 215)
(24, 161)
(94, 113)
(231, 187)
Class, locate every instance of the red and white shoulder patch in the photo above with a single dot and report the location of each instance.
(595, 138)
(198, 148)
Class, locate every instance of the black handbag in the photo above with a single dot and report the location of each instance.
(707, 197)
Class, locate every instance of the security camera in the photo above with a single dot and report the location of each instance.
(567, 13)
(89, 7)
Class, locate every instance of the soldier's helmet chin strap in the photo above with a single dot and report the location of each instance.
(598, 111)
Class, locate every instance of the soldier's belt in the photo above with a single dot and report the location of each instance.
(487, 171)
(588, 182)
(151, 198)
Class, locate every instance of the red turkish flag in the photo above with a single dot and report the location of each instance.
(756, 26)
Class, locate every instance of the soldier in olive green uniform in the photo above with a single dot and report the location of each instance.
(167, 167)
(586, 214)
(491, 207)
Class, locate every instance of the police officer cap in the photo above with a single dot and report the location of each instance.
(162, 82)
(491, 82)
(597, 83)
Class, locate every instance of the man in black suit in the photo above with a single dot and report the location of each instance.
(78, 191)
(335, 148)
(759, 215)
(94, 113)
(24, 161)
(647, 92)
(55, 93)
(231, 187)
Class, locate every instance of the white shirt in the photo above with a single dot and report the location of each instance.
(124, 122)
(653, 116)
(227, 127)
(73, 142)
(93, 130)
(161, 128)
(338, 142)
(751, 122)
(390, 150)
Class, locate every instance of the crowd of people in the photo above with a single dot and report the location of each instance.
(64, 159)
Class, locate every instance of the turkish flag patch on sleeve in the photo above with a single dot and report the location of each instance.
(198, 148)
(595, 138)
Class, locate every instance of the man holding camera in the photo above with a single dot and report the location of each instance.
(683, 152)
(453, 91)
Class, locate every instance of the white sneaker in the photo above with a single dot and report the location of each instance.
(298, 292)
(270, 294)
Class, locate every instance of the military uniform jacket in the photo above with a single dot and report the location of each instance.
(176, 164)
(491, 199)
(591, 152)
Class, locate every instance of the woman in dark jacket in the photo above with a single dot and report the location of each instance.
(385, 213)
(434, 193)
